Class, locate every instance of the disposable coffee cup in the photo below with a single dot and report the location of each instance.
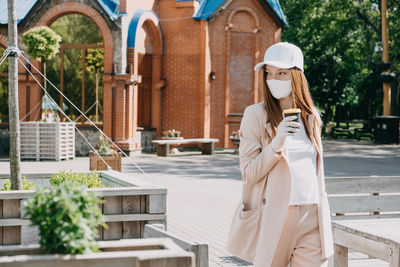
(292, 112)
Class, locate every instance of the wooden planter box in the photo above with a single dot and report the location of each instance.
(47, 140)
(114, 161)
(128, 205)
(149, 252)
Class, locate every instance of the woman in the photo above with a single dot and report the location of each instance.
(284, 215)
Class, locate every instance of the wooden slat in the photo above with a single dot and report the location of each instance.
(113, 232)
(112, 205)
(341, 256)
(359, 185)
(1, 216)
(364, 203)
(11, 209)
(14, 222)
(133, 217)
(199, 249)
(380, 230)
(143, 200)
(361, 217)
(125, 179)
(156, 204)
(131, 205)
(370, 247)
(161, 252)
(121, 191)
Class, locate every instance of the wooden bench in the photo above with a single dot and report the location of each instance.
(365, 217)
(207, 145)
(200, 250)
(341, 129)
(364, 131)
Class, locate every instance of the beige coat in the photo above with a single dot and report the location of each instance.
(266, 192)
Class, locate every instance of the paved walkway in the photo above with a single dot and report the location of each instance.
(204, 190)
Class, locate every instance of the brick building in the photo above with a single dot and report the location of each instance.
(168, 64)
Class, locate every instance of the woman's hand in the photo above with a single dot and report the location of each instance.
(287, 127)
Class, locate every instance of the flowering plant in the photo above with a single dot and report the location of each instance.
(172, 133)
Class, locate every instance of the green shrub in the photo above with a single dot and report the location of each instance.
(67, 216)
(26, 185)
(41, 42)
(90, 180)
(105, 148)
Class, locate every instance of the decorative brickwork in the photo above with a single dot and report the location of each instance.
(78, 8)
(163, 69)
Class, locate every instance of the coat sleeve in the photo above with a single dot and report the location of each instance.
(255, 161)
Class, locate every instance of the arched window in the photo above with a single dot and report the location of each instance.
(77, 70)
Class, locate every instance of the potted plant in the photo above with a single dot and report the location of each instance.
(109, 155)
(171, 134)
(235, 140)
(68, 217)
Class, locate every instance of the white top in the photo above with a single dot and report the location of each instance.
(303, 167)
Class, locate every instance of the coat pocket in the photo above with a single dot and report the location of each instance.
(243, 233)
(248, 214)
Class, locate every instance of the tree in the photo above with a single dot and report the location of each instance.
(338, 39)
(42, 43)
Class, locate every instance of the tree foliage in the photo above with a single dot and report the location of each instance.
(67, 216)
(41, 42)
(338, 38)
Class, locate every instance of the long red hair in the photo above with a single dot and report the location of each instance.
(301, 99)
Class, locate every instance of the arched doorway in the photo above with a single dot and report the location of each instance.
(145, 63)
(77, 70)
(144, 58)
(241, 84)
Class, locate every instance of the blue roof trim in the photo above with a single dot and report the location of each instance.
(134, 24)
(111, 7)
(208, 7)
(22, 7)
(278, 10)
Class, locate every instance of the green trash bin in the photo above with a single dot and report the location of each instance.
(386, 130)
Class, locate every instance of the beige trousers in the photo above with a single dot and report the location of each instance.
(300, 243)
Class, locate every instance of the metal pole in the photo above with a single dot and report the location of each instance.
(385, 56)
(83, 82)
(13, 98)
(97, 97)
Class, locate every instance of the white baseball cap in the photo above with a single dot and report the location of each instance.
(282, 55)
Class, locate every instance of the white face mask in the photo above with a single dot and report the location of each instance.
(280, 89)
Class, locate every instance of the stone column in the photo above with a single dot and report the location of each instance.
(120, 110)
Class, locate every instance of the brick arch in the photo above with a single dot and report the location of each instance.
(243, 9)
(3, 41)
(150, 18)
(239, 95)
(78, 8)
